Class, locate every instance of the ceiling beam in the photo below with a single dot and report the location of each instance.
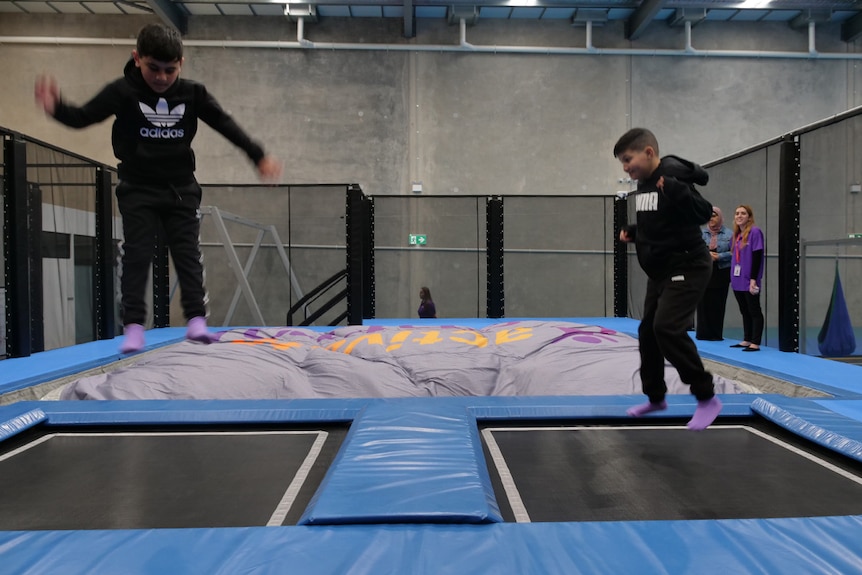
(851, 28)
(409, 19)
(171, 14)
(638, 22)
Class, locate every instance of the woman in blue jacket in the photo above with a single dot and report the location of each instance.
(710, 310)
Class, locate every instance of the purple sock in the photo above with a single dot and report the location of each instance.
(197, 331)
(134, 338)
(645, 408)
(705, 414)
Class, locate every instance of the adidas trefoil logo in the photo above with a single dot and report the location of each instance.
(164, 119)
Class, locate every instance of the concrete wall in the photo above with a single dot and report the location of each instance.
(459, 123)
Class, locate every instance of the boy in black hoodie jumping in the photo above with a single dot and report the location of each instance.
(667, 236)
(156, 119)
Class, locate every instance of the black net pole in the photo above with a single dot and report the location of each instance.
(368, 303)
(621, 268)
(788, 245)
(494, 251)
(355, 254)
(17, 249)
(103, 270)
(34, 230)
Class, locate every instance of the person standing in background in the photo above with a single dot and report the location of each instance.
(746, 267)
(427, 309)
(711, 308)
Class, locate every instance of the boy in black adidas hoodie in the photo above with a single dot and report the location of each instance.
(156, 119)
(667, 236)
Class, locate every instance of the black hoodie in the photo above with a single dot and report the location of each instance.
(668, 230)
(152, 133)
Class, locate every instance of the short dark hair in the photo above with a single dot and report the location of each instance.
(636, 139)
(160, 42)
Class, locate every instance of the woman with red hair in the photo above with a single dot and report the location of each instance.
(746, 275)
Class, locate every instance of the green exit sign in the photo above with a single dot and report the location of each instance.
(418, 239)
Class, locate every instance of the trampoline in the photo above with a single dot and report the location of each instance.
(146, 479)
(664, 472)
(410, 485)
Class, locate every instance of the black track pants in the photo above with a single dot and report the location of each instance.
(144, 208)
(668, 308)
(752, 316)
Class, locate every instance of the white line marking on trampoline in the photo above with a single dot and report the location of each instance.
(48, 436)
(289, 497)
(808, 456)
(515, 501)
(27, 446)
(775, 440)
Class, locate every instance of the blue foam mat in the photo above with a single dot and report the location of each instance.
(795, 545)
(817, 545)
(22, 372)
(823, 421)
(397, 461)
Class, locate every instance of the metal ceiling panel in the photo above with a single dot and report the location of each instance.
(201, 9)
(39, 8)
(366, 11)
(235, 9)
(842, 15)
(620, 13)
(665, 13)
(333, 11)
(743, 15)
(430, 11)
(70, 8)
(531, 13)
(495, 12)
(558, 13)
(781, 15)
(724, 15)
(103, 8)
(616, 10)
(268, 9)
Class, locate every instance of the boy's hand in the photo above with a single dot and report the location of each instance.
(47, 93)
(269, 169)
(660, 183)
(624, 236)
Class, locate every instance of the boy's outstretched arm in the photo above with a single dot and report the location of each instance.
(269, 169)
(47, 93)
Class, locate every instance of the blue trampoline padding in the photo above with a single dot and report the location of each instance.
(816, 421)
(832, 377)
(180, 411)
(18, 423)
(795, 545)
(21, 372)
(850, 408)
(403, 465)
(596, 406)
